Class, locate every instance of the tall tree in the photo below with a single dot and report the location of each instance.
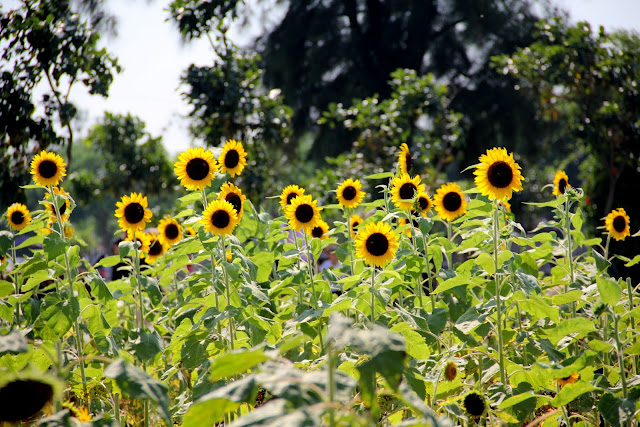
(336, 50)
(48, 47)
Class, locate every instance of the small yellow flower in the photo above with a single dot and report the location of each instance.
(498, 175)
(403, 190)
(405, 162)
(18, 216)
(376, 244)
(132, 212)
(354, 222)
(48, 168)
(560, 183)
(571, 379)
(617, 224)
(303, 212)
(169, 231)
(350, 193)
(449, 202)
(320, 230)
(220, 218)
(233, 158)
(195, 168)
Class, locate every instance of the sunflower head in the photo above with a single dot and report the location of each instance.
(354, 223)
(18, 216)
(233, 158)
(617, 224)
(571, 379)
(376, 244)
(404, 189)
(451, 371)
(506, 205)
(169, 231)
(220, 217)
(48, 168)
(319, 230)
(449, 202)
(64, 207)
(81, 413)
(405, 221)
(189, 231)
(24, 395)
(132, 212)
(156, 247)
(233, 195)
(560, 183)
(350, 193)
(195, 168)
(303, 212)
(498, 175)
(288, 194)
(141, 237)
(424, 203)
(474, 404)
(405, 162)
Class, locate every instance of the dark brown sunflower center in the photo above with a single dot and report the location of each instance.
(235, 200)
(63, 208)
(17, 217)
(171, 231)
(423, 202)
(619, 224)
(500, 174)
(452, 201)
(567, 378)
(197, 169)
(355, 224)
(304, 213)
(474, 404)
(134, 213)
(47, 169)
(220, 219)
(155, 249)
(317, 232)
(407, 190)
(377, 244)
(349, 193)
(562, 185)
(290, 197)
(409, 162)
(22, 399)
(231, 159)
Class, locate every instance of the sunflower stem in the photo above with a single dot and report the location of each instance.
(449, 255)
(564, 410)
(347, 213)
(313, 286)
(17, 280)
(632, 321)
(331, 355)
(428, 267)
(70, 279)
(503, 376)
(567, 224)
(524, 346)
(606, 247)
(300, 289)
(373, 295)
(616, 337)
(227, 285)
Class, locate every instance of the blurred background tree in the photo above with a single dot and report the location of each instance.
(48, 47)
(586, 84)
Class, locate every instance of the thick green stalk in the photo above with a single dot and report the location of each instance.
(632, 321)
(332, 385)
(313, 286)
(503, 376)
(227, 285)
(347, 213)
(373, 295)
(17, 280)
(428, 264)
(569, 246)
(205, 203)
(616, 336)
(450, 255)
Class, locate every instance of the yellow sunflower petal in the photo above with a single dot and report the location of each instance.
(233, 158)
(220, 218)
(617, 224)
(350, 193)
(48, 168)
(404, 189)
(498, 175)
(18, 216)
(449, 201)
(376, 244)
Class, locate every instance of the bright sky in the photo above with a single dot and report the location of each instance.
(153, 57)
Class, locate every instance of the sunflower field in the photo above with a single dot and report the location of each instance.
(396, 305)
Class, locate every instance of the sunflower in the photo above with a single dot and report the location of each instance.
(405, 221)
(571, 379)
(303, 212)
(132, 212)
(190, 231)
(288, 194)
(424, 203)
(233, 195)
(497, 174)
(233, 158)
(169, 231)
(449, 201)
(560, 183)
(350, 193)
(404, 189)
(376, 243)
(320, 230)
(474, 404)
(355, 221)
(617, 224)
(48, 168)
(506, 205)
(195, 168)
(24, 395)
(81, 413)
(405, 162)
(18, 216)
(451, 371)
(156, 247)
(141, 237)
(220, 217)
(64, 208)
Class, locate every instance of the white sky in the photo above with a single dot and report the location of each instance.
(153, 57)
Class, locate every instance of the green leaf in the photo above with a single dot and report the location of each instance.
(145, 345)
(264, 261)
(212, 407)
(109, 261)
(60, 314)
(540, 308)
(615, 410)
(486, 262)
(579, 325)
(235, 363)
(610, 291)
(13, 343)
(514, 400)
(571, 391)
(139, 385)
(100, 289)
(462, 279)
(380, 175)
(35, 279)
(602, 264)
(53, 246)
(73, 253)
(634, 261)
(6, 241)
